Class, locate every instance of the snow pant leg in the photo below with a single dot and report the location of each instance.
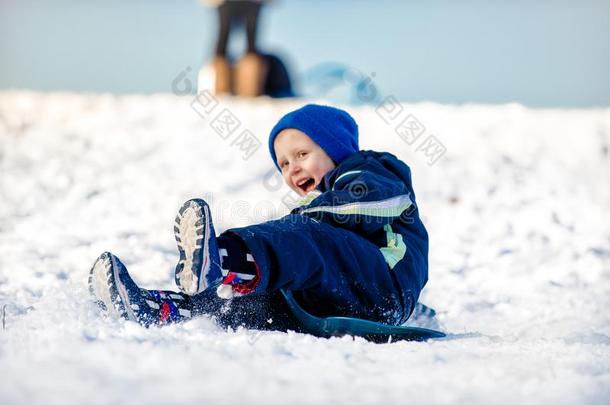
(224, 27)
(264, 312)
(245, 12)
(332, 271)
(251, 15)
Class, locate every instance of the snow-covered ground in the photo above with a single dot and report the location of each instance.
(519, 263)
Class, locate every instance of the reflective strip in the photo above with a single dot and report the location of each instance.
(396, 248)
(390, 208)
(153, 304)
(243, 276)
(346, 174)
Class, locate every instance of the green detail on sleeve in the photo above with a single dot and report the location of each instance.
(309, 197)
(396, 248)
(390, 208)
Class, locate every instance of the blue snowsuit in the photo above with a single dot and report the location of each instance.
(359, 249)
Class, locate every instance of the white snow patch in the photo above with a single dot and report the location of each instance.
(519, 261)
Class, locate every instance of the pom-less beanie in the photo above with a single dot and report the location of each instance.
(334, 130)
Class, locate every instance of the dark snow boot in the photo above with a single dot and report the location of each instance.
(199, 262)
(116, 292)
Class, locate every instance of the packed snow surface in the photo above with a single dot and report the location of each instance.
(517, 211)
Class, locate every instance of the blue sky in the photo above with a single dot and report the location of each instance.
(547, 53)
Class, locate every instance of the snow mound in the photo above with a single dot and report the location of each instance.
(516, 208)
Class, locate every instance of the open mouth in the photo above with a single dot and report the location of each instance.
(307, 185)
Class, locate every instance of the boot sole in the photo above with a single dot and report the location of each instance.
(105, 285)
(189, 232)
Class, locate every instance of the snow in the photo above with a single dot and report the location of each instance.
(519, 263)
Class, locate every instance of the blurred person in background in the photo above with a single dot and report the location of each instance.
(247, 77)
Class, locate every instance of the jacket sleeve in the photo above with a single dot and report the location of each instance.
(363, 200)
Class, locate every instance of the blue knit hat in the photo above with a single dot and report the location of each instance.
(334, 130)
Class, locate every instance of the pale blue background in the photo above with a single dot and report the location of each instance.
(540, 53)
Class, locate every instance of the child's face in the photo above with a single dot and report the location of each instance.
(302, 161)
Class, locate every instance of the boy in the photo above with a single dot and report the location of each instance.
(357, 248)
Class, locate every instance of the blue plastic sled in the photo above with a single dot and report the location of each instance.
(341, 325)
